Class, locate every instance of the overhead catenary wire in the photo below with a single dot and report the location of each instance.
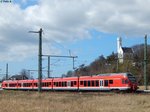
(58, 56)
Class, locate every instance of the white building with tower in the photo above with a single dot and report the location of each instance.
(123, 52)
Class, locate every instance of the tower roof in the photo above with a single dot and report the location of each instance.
(127, 50)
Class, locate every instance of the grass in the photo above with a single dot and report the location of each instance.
(24, 101)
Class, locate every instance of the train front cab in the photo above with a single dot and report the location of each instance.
(128, 83)
(132, 83)
(119, 82)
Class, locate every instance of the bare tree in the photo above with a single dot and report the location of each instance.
(26, 73)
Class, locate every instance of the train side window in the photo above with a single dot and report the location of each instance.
(71, 83)
(59, 84)
(54, 83)
(106, 82)
(81, 82)
(35, 84)
(89, 83)
(126, 81)
(47, 84)
(6, 85)
(97, 83)
(123, 81)
(43, 84)
(84, 83)
(75, 83)
(19, 84)
(92, 83)
(65, 84)
(62, 84)
(110, 81)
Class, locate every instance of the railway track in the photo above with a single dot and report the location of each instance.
(99, 93)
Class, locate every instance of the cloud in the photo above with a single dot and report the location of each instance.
(67, 20)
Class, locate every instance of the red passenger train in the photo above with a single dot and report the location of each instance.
(101, 82)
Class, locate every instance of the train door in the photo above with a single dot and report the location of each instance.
(101, 84)
(69, 84)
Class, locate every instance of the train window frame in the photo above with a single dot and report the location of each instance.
(85, 83)
(49, 83)
(106, 83)
(59, 84)
(43, 84)
(89, 83)
(72, 83)
(97, 83)
(12, 85)
(123, 81)
(19, 84)
(65, 83)
(126, 81)
(93, 83)
(81, 82)
(35, 84)
(75, 82)
(111, 81)
(30, 84)
(54, 84)
(6, 85)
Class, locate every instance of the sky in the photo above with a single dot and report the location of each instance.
(83, 28)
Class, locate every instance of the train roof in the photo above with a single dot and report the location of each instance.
(99, 75)
(114, 74)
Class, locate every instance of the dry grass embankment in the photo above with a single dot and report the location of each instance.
(19, 101)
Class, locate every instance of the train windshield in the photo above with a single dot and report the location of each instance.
(131, 78)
